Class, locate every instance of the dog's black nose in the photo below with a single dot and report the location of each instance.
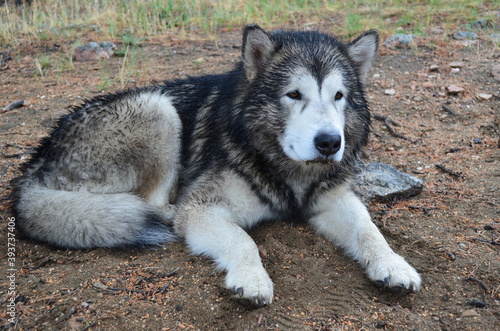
(328, 144)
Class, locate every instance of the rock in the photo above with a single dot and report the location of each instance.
(100, 285)
(382, 182)
(427, 85)
(422, 76)
(399, 40)
(454, 89)
(481, 24)
(94, 51)
(465, 43)
(436, 31)
(434, 67)
(470, 313)
(484, 96)
(457, 64)
(495, 72)
(4, 57)
(14, 105)
(390, 92)
(464, 35)
(495, 37)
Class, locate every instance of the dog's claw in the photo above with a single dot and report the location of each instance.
(238, 291)
(397, 289)
(400, 289)
(253, 302)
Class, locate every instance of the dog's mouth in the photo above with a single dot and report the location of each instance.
(321, 160)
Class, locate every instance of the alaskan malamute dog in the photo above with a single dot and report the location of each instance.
(211, 156)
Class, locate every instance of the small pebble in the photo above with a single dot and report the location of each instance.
(14, 105)
(93, 51)
(484, 96)
(454, 89)
(100, 286)
(434, 67)
(477, 303)
(427, 85)
(470, 313)
(457, 64)
(436, 31)
(495, 37)
(464, 35)
(495, 72)
(390, 92)
(399, 40)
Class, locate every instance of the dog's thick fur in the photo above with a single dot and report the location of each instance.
(275, 138)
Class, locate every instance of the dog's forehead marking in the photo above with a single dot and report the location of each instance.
(333, 83)
(309, 85)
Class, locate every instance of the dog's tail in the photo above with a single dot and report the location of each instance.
(80, 219)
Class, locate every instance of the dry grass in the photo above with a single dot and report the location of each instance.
(72, 19)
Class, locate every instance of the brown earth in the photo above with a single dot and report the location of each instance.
(450, 232)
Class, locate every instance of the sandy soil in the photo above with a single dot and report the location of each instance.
(450, 232)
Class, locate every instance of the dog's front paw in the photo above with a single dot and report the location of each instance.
(251, 284)
(393, 272)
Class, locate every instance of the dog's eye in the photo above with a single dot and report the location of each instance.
(338, 96)
(295, 95)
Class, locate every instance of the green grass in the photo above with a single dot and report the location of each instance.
(131, 23)
(42, 64)
(144, 19)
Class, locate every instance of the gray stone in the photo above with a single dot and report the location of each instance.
(382, 182)
(495, 72)
(93, 51)
(482, 24)
(465, 35)
(400, 40)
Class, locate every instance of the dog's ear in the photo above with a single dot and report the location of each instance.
(362, 51)
(257, 49)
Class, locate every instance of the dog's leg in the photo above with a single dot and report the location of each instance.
(211, 231)
(345, 220)
(160, 196)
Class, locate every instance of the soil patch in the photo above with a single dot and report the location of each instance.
(450, 232)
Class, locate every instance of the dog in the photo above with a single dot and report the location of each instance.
(205, 158)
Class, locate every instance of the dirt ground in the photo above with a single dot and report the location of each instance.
(450, 232)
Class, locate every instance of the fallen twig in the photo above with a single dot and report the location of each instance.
(4, 169)
(385, 119)
(148, 279)
(89, 326)
(115, 289)
(449, 110)
(480, 282)
(493, 242)
(448, 171)
(389, 122)
(16, 155)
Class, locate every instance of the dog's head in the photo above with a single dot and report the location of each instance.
(309, 88)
